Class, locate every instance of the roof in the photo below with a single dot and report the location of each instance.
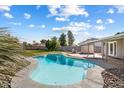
(91, 40)
(116, 36)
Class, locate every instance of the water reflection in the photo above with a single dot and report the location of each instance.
(63, 60)
(70, 62)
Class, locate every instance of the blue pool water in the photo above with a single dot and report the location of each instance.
(57, 69)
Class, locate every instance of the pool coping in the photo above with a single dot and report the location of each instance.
(22, 80)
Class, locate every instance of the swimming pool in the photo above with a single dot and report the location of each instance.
(57, 69)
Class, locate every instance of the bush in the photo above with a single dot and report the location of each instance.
(52, 44)
(11, 60)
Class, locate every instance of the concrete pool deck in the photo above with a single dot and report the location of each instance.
(22, 79)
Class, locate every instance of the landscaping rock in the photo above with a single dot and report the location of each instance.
(113, 78)
(9, 70)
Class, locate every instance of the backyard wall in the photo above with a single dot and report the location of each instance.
(36, 48)
(69, 48)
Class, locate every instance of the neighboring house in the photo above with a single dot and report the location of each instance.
(92, 45)
(114, 46)
(35, 46)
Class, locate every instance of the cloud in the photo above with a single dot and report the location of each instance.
(81, 25)
(4, 8)
(8, 15)
(75, 27)
(36, 26)
(75, 10)
(61, 19)
(86, 33)
(31, 26)
(15, 23)
(53, 9)
(66, 11)
(27, 16)
(99, 21)
(111, 11)
(37, 7)
(107, 21)
(88, 20)
(120, 8)
(100, 27)
(110, 21)
(43, 26)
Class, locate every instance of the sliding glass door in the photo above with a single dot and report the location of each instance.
(112, 48)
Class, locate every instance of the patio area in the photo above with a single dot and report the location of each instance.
(113, 73)
(90, 55)
(108, 62)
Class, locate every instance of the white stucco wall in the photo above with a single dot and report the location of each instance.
(91, 48)
(104, 48)
(98, 44)
(123, 48)
(120, 48)
(85, 48)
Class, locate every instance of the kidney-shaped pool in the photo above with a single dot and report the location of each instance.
(57, 69)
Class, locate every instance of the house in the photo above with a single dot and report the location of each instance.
(34, 46)
(92, 45)
(113, 46)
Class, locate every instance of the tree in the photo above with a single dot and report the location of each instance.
(57, 44)
(24, 44)
(70, 38)
(62, 39)
(54, 38)
(48, 44)
(119, 33)
(43, 41)
(34, 42)
(52, 44)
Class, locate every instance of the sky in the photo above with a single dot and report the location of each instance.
(36, 22)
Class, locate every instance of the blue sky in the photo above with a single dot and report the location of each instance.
(30, 23)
